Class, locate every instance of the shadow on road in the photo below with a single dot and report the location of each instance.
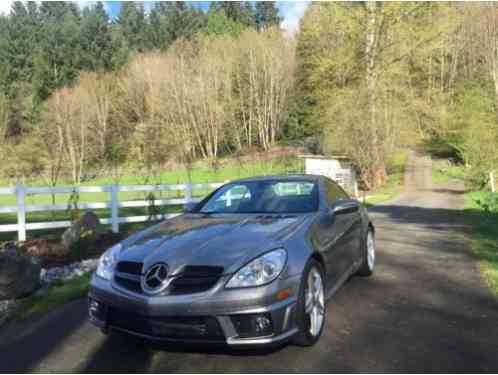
(35, 339)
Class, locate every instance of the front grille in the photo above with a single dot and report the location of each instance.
(188, 285)
(191, 279)
(188, 328)
(195, 279)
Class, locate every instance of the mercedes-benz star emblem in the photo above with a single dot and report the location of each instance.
(155, 280)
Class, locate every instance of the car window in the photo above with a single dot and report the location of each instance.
(292, 188)
(230, 199)
(265, 196)
(334, 192)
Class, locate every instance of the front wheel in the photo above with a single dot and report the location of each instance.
(368, 265)
(311, 305)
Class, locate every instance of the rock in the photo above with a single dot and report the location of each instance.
(7, 308)
(37, 247)
(41, 247)
(19, 273)
(83, 231)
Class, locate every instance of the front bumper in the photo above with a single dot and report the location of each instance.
(197, 312)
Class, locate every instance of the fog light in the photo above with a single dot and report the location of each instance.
(253, 325)
(94, 307)
(262, 324)
(96, 310)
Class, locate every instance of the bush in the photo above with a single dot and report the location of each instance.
(488, 202)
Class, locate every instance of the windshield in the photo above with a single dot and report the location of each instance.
(266, 196)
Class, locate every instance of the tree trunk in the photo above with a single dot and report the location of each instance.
(378, 175)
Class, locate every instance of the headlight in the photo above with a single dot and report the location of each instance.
(259, 271)
(107, 262)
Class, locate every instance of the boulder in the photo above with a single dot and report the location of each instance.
(19, 273)
(41, 247)
(84, 231)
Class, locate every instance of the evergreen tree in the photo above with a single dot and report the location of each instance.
(247, 16)
(134, 25)
(96, 38)
(182, 21)
(20, 42)
(59, 55)
(238, 11)
(266, 15)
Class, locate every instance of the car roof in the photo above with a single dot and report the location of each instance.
(294, 177)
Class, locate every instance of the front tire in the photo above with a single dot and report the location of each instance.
(369, 251)
(311, 309)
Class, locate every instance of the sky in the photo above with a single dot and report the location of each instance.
(290, 11)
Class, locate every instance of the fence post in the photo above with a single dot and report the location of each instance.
(188, 193)
(114, 208)
(492, 181)
(21, 212)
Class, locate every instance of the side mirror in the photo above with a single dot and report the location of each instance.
(345, 206)
(189, 207)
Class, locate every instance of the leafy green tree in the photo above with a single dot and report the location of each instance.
(218, 23)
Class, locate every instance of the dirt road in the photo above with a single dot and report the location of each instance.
(426, 309)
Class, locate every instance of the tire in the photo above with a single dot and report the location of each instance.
(308, 336)
(369, 253)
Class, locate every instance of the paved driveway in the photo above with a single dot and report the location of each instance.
(426, 309)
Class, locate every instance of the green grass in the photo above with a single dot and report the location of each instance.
(484, 236)
(390, 190)
(57, 295)
(443, 173)
(396, 172)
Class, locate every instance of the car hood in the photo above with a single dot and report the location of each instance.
(226, 240)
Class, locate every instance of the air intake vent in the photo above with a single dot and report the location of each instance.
(133, 268)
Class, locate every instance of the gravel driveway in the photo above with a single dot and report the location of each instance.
(426, 309)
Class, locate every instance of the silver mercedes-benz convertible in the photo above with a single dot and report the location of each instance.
(251, 264)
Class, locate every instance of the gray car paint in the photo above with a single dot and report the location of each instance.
(333, 235)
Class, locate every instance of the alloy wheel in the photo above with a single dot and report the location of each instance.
(370, 250)
(314, 301)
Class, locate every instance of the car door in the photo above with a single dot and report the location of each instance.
(341, 232)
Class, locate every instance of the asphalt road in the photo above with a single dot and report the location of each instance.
(426, 309)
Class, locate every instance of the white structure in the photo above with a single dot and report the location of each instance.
(114, 204)
(338, 168)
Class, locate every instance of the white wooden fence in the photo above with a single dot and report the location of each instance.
(113, 204)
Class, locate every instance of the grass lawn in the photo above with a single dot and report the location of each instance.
(484, 235)
(58, 294)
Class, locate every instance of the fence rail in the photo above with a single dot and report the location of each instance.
(114, 204)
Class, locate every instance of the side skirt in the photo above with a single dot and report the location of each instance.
(351, 271)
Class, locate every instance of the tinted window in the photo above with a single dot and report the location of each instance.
(334, 192)
(271, 196)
